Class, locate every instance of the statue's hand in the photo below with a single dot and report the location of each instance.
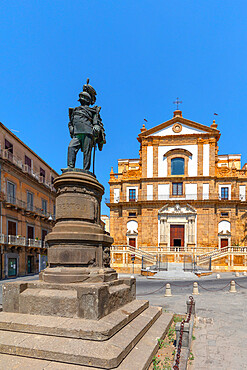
(96, 131)
(71, 131)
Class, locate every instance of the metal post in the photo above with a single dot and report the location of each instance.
(142, 263)
(133, 267)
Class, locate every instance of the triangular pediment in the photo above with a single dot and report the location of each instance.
(177, 209)
(179, 126)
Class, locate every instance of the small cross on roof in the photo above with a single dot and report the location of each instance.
(177, 101)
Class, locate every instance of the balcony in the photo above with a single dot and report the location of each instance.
(6, 154)
(13, 202)
(17, 240)
(169, 197)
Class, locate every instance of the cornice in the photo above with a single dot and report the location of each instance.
(182, 120)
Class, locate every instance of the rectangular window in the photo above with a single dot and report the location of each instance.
(30, 232)
(42, 175)
(177, 166)
(224, 193)
(177, 188)
(28, 161)
(52, 179)
(29, 201)
(132, 214)
(132, 195)
(224, 214)
(11, 192)
(12, 228)
(8, 146)
(44, 207)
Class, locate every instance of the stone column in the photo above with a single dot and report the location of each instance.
(162, 230)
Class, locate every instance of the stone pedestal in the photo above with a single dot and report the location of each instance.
(79, 249)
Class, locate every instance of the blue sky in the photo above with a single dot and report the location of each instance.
(139, 55)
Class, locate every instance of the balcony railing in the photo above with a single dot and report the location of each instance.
(17, 240)
(17, 203)
(6, 154)
(161, 197)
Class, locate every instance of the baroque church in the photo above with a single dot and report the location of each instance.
(180, 196)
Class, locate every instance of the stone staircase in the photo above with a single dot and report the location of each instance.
(139, 253)
(219, 253)
(125, 339)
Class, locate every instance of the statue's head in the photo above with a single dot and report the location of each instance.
(85, 98)
(88, 95)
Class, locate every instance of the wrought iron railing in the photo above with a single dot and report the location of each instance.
(18, 240)
(26, 205)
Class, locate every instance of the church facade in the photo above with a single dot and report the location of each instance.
(180, 195)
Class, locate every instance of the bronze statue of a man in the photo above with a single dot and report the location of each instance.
(85, 127)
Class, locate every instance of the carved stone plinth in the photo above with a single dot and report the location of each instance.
(79, 248)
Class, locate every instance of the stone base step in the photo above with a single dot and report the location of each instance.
(105, 354)
(90, 301)
(79, 328)
(139, 357)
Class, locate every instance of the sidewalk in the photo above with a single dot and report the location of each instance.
(220, 328)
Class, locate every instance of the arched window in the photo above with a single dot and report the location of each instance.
(132, 227)
(177, 166)
(224, 227)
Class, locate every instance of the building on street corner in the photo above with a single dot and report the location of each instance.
(27, 205)
(179, 198)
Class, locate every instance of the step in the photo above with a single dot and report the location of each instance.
(102, 329)
(138, 359)
(105, 354)
(143, 352)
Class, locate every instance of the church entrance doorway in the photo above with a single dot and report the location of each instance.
(177, 237)
(132, 242)
(223, 243)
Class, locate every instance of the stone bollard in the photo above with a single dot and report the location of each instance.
(237, 274)
(195, 288)
(232, 287)
(244, 273)
(193, 312)
(218, 276)
(186, 334)
(168, 292)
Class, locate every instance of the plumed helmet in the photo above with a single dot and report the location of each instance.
(90, 90)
